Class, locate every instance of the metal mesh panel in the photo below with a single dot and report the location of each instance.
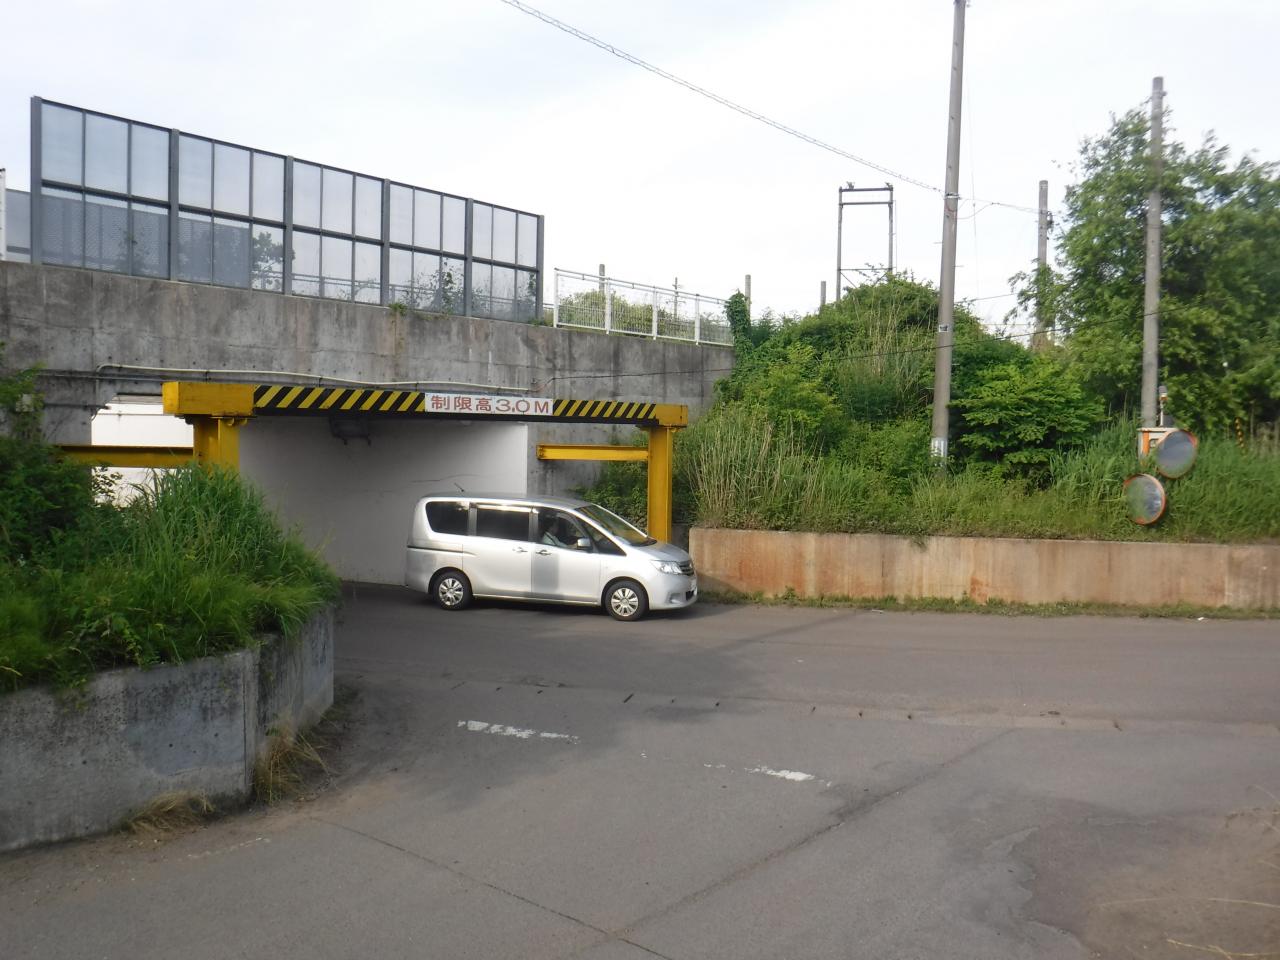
(63, 228)
(149, 232)
(580, 300)
(195, 247)
(106, 234)
(231, 253)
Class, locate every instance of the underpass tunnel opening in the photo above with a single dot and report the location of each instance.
(350, 485)
(345, 466)
(134, 420)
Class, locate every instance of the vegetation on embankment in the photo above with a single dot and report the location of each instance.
(824, 424)
(196, 565)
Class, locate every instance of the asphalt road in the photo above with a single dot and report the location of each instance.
(731, 782)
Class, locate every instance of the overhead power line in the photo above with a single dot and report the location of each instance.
(739, 108)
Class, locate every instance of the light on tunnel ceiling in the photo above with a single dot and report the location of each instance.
(346, 429)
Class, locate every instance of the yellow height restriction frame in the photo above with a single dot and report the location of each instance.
(217, 411)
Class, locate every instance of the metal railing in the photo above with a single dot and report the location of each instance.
(588, 301)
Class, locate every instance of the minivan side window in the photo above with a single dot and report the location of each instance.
(558, 529)
(504, 523)
(447, 517)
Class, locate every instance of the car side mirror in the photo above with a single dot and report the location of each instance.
(583, 543)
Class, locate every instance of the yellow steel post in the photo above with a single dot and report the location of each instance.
(216, 412)
(661, 460)
(216, 440)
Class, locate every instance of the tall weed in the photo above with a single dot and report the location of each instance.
(196, 565)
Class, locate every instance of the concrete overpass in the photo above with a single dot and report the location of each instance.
(98, 336)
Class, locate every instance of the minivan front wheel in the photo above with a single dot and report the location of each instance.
(626, 600)
(452, 590)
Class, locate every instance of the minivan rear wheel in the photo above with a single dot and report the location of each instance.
(626, 600)
(452, 590)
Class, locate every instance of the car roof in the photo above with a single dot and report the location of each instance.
(570, 503)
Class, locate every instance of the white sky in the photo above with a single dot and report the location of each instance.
(476, 98)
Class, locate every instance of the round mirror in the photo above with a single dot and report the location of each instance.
(1144, 498)
(1176, 453)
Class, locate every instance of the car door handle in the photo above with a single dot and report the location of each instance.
(519, 549)
(544, 553)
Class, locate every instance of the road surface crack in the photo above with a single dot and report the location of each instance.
(448, 868)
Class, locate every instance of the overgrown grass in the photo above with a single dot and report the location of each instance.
(197, 565)
(283, 770)
(170, 812)
(739, 470)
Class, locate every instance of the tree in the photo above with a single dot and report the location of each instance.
(1220, 298)
(1020, 413)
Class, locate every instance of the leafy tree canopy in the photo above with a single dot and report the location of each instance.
(1220, 283)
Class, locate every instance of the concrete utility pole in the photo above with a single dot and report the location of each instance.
(822, 295)
(746, 292)
(4, 241)
(889, 268)
(1151, 296)
(1040, 339)
(602, 276)
(947, 287)
(839, 238)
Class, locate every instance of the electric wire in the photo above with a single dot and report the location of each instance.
(739, 108)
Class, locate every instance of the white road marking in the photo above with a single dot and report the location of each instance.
(795, 775)
(522, 733)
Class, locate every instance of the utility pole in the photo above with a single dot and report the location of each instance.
(839, 238)
(1151, 296)
(746, 292)
(1040, 339)
(3, 239)
(822, 295)
(947, 287)
(889, 269)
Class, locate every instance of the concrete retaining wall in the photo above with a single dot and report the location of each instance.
(78, 762)
(982, 569)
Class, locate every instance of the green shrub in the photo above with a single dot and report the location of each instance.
(42, 496)
(1018, 414)
(197, 565)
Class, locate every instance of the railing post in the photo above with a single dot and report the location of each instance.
(608, 306)
(555, 297)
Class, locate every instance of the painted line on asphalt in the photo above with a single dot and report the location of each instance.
(520, 733)
(795, 776)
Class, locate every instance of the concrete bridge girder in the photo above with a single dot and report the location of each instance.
(99, 336)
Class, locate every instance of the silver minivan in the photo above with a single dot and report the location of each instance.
(545, 549)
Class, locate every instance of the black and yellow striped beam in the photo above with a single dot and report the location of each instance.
(604, 410)
(269, 400)
(332, 401)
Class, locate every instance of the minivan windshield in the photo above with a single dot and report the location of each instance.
(615, 525)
